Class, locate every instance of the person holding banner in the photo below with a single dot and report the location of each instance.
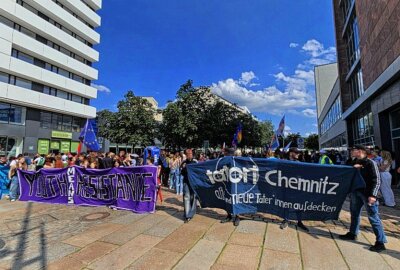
(189, 197)
(366, 197)
(294, 156)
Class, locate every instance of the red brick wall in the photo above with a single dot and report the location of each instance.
(379, 27)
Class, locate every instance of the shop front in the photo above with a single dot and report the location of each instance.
(60, 142)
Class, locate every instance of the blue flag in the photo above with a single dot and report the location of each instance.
(88, 137)
(281, 127)
(274, 142)
(287, 146)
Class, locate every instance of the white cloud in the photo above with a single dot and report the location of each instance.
(310, 113)
(319, 55)
(247, 77)
(293, 45)
(292, 93)
(101, 88)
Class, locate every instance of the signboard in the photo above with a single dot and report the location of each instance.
(55, 145)
(74, 147)
(43, 147)
(65, 146)
(61, 134)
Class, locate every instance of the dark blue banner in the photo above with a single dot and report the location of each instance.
(291, 190)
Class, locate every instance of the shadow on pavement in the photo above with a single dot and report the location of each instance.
(19, 261)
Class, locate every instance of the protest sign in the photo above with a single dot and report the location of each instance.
(291, 190)
(130, 188)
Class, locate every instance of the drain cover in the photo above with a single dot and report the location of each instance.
(2, 244)
(95, 216)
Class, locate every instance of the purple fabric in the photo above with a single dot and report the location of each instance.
(132, 188)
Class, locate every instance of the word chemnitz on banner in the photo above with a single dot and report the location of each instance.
(122, 188)
(291, 190)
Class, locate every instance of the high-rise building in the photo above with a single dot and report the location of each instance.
(331, 127)
(46, 57)
(368, 50)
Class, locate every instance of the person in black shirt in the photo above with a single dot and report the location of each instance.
(189, 197)
(366, 197)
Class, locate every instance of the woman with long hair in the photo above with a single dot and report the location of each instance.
(386, 179)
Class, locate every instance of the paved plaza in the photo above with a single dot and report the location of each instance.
(44, 236)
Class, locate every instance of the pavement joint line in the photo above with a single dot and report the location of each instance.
(380, 254)
(262, 245)
(224, 247)
(200, 238)
(301, 253)
(340, 251)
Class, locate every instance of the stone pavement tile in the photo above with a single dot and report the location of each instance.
(126, 254)
(320, 252)
(92, 234)
(201, 256)
(219, 232)
(392, 254)
(278, 260)
(65, 263)
(358, 256)
(199, 218)
(239, 257)
(121, 236)
(165, 227)
(246, 239)
(281, 240)
(250, 226)
(183, 238)
(156, 259)
(92, 252)
(128, 218)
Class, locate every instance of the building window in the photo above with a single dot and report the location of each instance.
(60, 122)
(3, 77)
(352, 40)
(363, 129)
(12, 114)
(333, 115)
(356, 84)
(346, 8)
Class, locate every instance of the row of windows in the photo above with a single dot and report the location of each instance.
(73, 13)
(53, 22)
(43, 40)
(352, 39)
(346, 8)
(83, 1)
(363, 129)
(356, 84)
(60, 122)
(40, 63)
(333, 115)
(11, 79)
(337, 142)
(12, 114)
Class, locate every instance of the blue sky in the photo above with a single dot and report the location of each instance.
(257, 53)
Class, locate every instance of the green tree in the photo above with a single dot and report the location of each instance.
(311, 142)
(132, 124)
(267, 130)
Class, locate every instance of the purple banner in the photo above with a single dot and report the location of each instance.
(131, 188)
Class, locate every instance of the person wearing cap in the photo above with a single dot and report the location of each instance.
(366, 197)
(231, 217)
(324, 159)
(189, 197)
(294, 156)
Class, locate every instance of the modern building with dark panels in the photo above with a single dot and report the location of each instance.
(331, 127)
(368, 50)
